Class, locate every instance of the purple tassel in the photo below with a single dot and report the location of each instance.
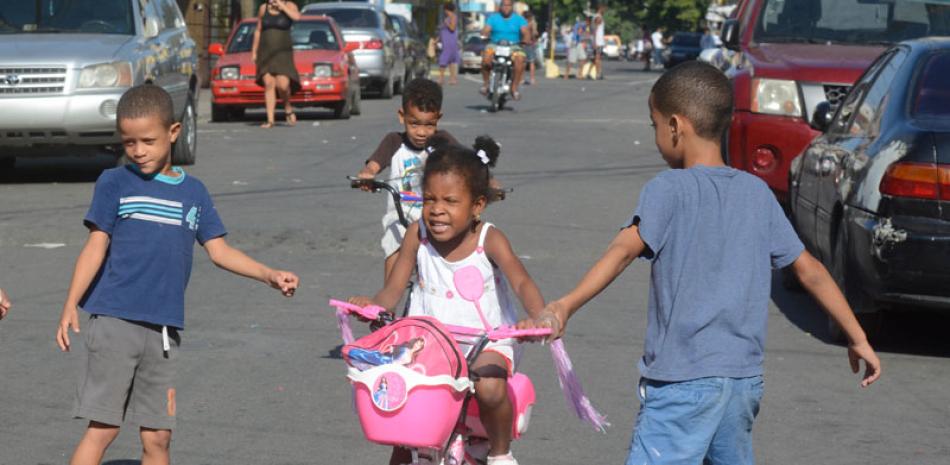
(343, 321)
(573, 391)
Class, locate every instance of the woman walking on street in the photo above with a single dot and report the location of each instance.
(448, 35)
(273, 54)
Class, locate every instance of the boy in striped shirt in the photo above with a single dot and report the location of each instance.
(131, 277)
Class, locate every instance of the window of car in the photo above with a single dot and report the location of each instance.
(313, 35)
(243, 39)
(932, 96)
(351, 17)
(867, 119)
(399, 25)
(171, 17)
(847, 112)
(686, 39)
(862, 22)
(78, 16)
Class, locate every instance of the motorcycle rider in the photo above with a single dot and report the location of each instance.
(512, 27)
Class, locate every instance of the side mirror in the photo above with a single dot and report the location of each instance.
(152, 27)
(730, 34)
(351, 46)
(216, 49)
(821, 119)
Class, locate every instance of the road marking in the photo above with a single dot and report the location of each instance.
(46, 245)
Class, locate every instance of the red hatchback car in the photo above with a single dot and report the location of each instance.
(329, 76)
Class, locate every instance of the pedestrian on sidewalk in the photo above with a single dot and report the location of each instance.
(448, 36)
(599, 40)
(531, 46)
(712, 235)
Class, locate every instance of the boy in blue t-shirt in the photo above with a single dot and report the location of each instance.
(713, 235)
(131, 277)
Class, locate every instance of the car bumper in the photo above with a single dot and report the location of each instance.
(372, 64)
(471, 61)
(902, 260)
(79, 120)
(246, 93)
(782, 136)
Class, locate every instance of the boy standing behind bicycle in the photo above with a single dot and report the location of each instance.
(712, 234)
(404, 153)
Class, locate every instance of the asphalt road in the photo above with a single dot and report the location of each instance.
(261, 381)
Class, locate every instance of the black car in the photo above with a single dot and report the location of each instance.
(870, 196)
(683, 47)
(417, 62)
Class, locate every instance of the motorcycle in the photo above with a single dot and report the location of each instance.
(499, 83)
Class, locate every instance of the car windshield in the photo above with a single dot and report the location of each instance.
(351, 17)
(859, 22)
(612, 42)
(932, 98)
(474, 40)
(306, 35)
(73, 16)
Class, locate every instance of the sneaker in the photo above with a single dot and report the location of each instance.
(506, 459)
(483, 90)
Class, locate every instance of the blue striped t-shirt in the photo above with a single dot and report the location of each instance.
(152, 222)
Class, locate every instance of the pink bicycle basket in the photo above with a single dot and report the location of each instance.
(409, 380)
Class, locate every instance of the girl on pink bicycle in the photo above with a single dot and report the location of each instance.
(449, 236)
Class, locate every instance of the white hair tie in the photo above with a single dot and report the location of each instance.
(483, 156)
(430, 149)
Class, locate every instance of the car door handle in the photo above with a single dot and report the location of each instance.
(826, 165)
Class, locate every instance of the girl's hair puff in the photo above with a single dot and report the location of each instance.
(447, 157)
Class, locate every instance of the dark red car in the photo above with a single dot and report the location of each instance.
(793, 55)
(328, 73)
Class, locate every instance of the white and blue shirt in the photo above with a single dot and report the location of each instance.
(152, 222)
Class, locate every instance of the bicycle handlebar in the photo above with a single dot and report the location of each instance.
(375, 312)
(376, 186)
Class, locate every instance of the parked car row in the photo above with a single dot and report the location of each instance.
(340, 50)
(852, 137)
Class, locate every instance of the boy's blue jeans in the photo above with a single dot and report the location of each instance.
(701, 421)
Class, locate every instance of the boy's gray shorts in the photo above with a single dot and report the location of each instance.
(126, 375)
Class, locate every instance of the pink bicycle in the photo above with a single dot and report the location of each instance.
(413, 389)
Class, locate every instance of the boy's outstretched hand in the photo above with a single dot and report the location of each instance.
(4, 304)
(553, 317)
(863, 351)
(284, 281)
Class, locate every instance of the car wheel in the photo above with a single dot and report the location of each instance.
(399, 85)
(183, 153)
(7, 163)
(869, 316)
(341, 109)
(387, 90)
(220, 113)
(355, 108)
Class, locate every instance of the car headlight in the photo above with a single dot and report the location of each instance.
(776, 97)
(118, 74)
(230, 73)
(322, 71)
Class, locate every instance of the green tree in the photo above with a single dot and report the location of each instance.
(675, 15)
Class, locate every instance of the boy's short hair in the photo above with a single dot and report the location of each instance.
(146, 100)
(423, 94)
(699, 92)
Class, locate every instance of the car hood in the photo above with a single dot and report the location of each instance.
(303, 60)
(812, 62)
(55, 49)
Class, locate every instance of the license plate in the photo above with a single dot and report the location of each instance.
(503, 51)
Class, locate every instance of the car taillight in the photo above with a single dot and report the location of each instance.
(917, 180)
(372, 44)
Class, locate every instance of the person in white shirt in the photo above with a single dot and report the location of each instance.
(658, 45)
(599, 41)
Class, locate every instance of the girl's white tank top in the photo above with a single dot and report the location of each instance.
(434, 293)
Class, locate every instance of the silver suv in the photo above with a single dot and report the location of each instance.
(65, 63)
